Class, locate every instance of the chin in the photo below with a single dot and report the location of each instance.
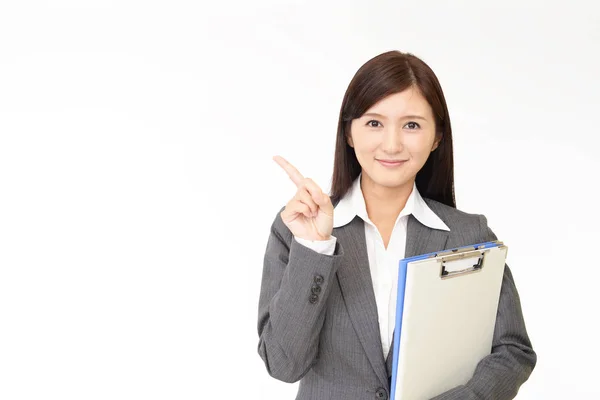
(390, 181)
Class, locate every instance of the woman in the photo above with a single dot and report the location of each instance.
(327, 301)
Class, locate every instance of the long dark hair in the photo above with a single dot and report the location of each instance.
(381, 76)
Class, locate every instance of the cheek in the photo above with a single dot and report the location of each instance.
(365, 143)
(419, 145)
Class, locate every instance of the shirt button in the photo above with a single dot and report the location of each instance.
(316, 289)
(313, 298)
(318, 279)
(381, 394)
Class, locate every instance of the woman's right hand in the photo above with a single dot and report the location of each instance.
(309, 214)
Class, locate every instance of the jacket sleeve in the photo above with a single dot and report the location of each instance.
(500, 375)
(296, 282)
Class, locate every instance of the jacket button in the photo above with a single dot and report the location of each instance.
(313, 298)
(316, 289)
(318, 279)
(381, 394)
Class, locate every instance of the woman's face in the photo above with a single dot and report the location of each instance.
(400, 127)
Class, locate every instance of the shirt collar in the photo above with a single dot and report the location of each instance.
(353, 204)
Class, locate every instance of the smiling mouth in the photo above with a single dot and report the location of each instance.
(391, 164)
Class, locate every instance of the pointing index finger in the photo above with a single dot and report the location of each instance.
(292, 172)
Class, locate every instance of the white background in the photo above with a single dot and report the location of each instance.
(137, 186)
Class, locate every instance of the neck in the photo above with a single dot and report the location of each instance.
(384, 204)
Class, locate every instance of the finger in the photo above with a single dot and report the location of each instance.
(293, 209)
(315, 191)
(304, 196)
(292, 172)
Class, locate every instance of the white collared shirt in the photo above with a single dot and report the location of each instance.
(383, 262)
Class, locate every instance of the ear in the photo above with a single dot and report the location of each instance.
(435, 144)
(350, 142)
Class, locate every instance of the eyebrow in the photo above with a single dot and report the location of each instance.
(404, 117)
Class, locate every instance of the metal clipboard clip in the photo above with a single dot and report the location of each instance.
(448, 272)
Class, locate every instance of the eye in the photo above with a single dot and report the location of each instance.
(373, 126)
(413, 125)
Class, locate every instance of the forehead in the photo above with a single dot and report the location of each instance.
(407, 102)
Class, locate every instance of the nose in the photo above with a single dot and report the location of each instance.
(392, 141)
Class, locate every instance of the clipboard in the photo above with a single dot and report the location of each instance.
(445, 318)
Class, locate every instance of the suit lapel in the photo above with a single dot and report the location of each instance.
(356, 285)
(420, 239)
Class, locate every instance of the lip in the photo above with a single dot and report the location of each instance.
(390, 163)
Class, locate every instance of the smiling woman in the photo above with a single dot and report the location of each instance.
(399, 97)
(327, 303)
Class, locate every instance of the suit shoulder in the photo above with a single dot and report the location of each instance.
(455, 218)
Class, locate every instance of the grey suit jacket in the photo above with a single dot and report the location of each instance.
(317, 317)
